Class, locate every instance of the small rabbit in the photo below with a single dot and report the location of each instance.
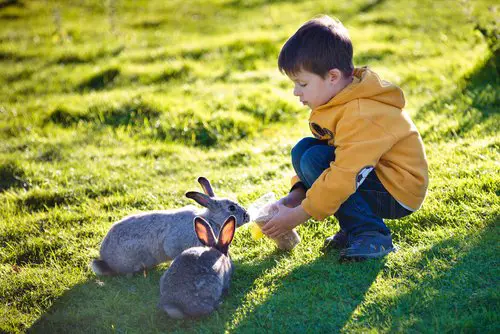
(144, 240)
(194, 283)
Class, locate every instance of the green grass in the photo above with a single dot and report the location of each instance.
(113, 107)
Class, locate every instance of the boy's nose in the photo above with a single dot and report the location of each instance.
(296, 92)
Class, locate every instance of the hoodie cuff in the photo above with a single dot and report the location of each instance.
(294, 180)
(298, 185)
(311, 211)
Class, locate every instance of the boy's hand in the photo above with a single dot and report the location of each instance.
(286, 219)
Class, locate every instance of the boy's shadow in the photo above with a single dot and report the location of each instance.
(320, 296)
(455, 289)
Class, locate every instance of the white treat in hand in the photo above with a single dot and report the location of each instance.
(263, 210)
(260, 210)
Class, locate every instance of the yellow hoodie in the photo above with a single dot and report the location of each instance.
(368, 128)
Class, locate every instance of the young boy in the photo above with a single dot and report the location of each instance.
(367, 160)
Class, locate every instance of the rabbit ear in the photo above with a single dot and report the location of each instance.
(200, 198)
(207, 188)
(226, 234)
(204, 232)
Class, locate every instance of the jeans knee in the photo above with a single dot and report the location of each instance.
(299, 149)
(302, 145)
(313, 162)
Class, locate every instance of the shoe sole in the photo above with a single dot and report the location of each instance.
(362, 257)
(332, 245)
(335, 245)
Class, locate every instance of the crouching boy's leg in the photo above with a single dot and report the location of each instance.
(363, 233)
(361, 217)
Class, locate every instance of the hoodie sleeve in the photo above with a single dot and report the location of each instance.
(294, 180)
(359, 144)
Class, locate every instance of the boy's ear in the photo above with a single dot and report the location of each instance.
(334, 75)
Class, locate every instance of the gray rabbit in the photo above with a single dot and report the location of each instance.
(144, 240)
(194, 283)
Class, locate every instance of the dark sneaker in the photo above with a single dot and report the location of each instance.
(337, 241)
(367, 245)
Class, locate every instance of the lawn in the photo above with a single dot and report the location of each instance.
(113, 107)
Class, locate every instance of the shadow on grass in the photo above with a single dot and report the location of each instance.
(133, 112)
(450, 287)
(8, 3)
(129, 304)
(248, 4)
(305, 299)
(12, 176)
(454, 288)
(100, 81)
(319, 297)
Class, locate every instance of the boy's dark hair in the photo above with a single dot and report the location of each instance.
(321, 44)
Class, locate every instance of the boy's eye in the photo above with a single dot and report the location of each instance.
(302, 84)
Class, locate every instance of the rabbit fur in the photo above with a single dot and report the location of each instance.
(144, 240)
(194, 283)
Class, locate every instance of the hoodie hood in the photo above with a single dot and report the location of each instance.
(367, 85)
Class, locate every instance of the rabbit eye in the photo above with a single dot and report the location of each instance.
(232, 208)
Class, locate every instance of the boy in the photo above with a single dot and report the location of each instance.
(367, 160)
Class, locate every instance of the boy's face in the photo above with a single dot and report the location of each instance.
(313, 90)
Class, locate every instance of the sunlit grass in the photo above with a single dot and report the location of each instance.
(114, 107)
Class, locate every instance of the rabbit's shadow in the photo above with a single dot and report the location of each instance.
(129, 303)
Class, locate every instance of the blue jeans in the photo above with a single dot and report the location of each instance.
(362, 211)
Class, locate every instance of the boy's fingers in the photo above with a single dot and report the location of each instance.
(275, 234)
(272, 231)
(268, 229)
(265, 229)
(267, 226)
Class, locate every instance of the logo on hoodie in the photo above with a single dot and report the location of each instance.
(321, 133)
(363, 173)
